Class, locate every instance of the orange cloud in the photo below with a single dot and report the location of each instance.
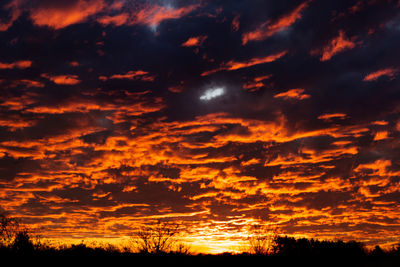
(358, 6)
(57, 17)
(27, 83)
(235, 65)
(373, 76)
(61, 15)
(149, 14)
(301, 185)
(18, 103)
(22, 64)
(15, 11)
(31, 83)
(116, 20)
(381, 135)
(74, 64)
(15, 122)
(195, 41)
(235, 23)
(177, 88)
(63, 79)
(382, 123)
(268, 29)
(332, 116)
(293, 94)
(256, 83)
(154, 15)
(337, 45)
(136, 104)
(130, 75)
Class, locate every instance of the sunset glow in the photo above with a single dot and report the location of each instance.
(215, 115)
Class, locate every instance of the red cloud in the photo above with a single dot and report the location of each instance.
(15, 11)
(22, 64)
(268, 29)
(373, 76)
(116, 20)
(130, 75)
(194, 41)
(331, 116)
(256, 83)
(338, 44)
(60, 17)
(235, 65)
(63, 79)
(156, 14)
(27, 83)
(235, 23)
(381, 135)
(151, 15)
(293, 94)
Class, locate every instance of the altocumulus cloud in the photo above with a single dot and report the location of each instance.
(108, 122)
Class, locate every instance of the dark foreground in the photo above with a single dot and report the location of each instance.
(285, 251)
(95, 257)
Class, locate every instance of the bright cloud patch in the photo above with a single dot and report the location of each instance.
(213, 93)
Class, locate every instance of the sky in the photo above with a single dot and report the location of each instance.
(214, 114)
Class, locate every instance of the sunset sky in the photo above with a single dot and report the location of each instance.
(214, 114)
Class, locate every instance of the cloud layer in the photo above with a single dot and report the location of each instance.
(102, 126)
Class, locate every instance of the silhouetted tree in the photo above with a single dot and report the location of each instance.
(182, 249)
(261, 238)
(158, 239)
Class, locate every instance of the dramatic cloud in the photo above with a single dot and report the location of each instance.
(130, 75)
(218, 115)
(61, 14)
(293, 93)
(63, 79)
(256, 83)
(332, 116)
(269, 28)
(58, 16)
(22, 64)
(337, 45)
(373, 76)
(235, 65)
(194, 41)
(212, 93)
(149, 14)
(15, 12)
